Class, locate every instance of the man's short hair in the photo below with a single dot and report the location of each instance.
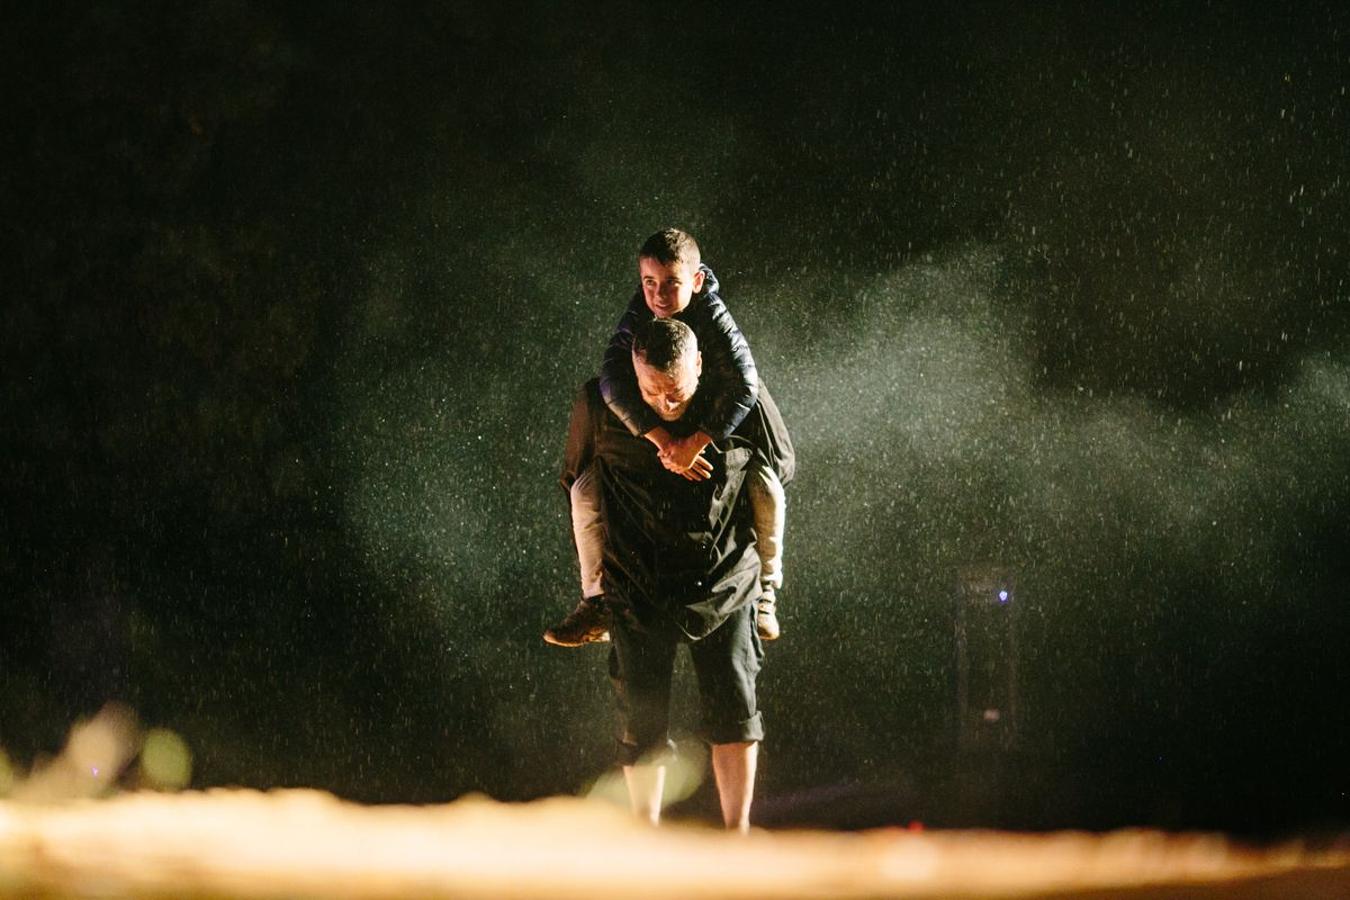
(671, 245)
(664, 343)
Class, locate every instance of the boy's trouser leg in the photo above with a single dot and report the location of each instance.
(768, 503)
(589, 622)
(588, 531)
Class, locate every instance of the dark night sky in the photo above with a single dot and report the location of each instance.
(296, 302)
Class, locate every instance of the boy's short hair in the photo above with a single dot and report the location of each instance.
(664, 343)
(671, 245)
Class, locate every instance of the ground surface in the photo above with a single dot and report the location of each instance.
(242, 843)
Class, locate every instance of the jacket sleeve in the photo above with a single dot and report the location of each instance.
(580, 449)
(728, 368)
(618, 382)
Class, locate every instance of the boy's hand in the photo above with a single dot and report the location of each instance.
(699, 470)
(661, 438)
(681, 454)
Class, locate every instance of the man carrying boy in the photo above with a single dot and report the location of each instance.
(675, 284)
(679, 565)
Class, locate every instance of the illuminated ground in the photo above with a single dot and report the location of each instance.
(241, 843)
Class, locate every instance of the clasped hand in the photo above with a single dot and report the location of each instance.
(683, 456)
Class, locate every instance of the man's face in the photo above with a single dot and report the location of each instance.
(669, 393)
(668, 288)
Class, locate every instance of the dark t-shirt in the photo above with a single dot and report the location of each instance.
(679, 554)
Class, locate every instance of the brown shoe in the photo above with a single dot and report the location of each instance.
(587, 624)
(766, 622)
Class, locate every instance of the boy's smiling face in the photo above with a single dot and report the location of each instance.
(668, 288)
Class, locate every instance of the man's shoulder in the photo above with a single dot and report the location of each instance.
(584, 424)
(588, 396)
(589, 403)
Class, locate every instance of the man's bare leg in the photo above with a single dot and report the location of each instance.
(646, 784)
(734, 768)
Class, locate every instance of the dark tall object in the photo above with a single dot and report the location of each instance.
(986, 659)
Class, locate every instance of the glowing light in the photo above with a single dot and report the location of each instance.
(1003, 596)
(7, 776)
(89, 764)
(166, 761)
(234, 843)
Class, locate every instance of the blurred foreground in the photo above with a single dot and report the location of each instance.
(301, 843)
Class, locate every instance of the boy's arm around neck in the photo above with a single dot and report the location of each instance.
(618, 383)
(728, 369)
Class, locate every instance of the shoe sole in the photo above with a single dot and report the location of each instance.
(550, 638)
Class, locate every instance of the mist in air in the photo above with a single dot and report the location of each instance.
(300, 307)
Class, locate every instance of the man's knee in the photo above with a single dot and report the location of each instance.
(733, 746)
(745, 731)
(640, 750)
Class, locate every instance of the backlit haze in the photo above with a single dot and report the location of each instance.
(297, 305)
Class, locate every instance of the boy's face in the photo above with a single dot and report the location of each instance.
(669, 393)
(668, 288)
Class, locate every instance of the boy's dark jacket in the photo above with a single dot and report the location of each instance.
(728, 367)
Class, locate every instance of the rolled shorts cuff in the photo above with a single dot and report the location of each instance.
(654, 754)
(752, 729)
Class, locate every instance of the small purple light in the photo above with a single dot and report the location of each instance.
(1002, 596)
(94, 769)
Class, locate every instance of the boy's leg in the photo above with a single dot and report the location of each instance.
(768, 503)
(588, 531)
(589, 621)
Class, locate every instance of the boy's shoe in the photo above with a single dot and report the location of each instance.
(766, 622)
(587, 624)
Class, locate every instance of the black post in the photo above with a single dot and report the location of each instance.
(986, 659)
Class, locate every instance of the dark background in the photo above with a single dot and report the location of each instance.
(296, 297)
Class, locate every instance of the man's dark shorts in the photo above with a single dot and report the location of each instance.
(726, 663)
